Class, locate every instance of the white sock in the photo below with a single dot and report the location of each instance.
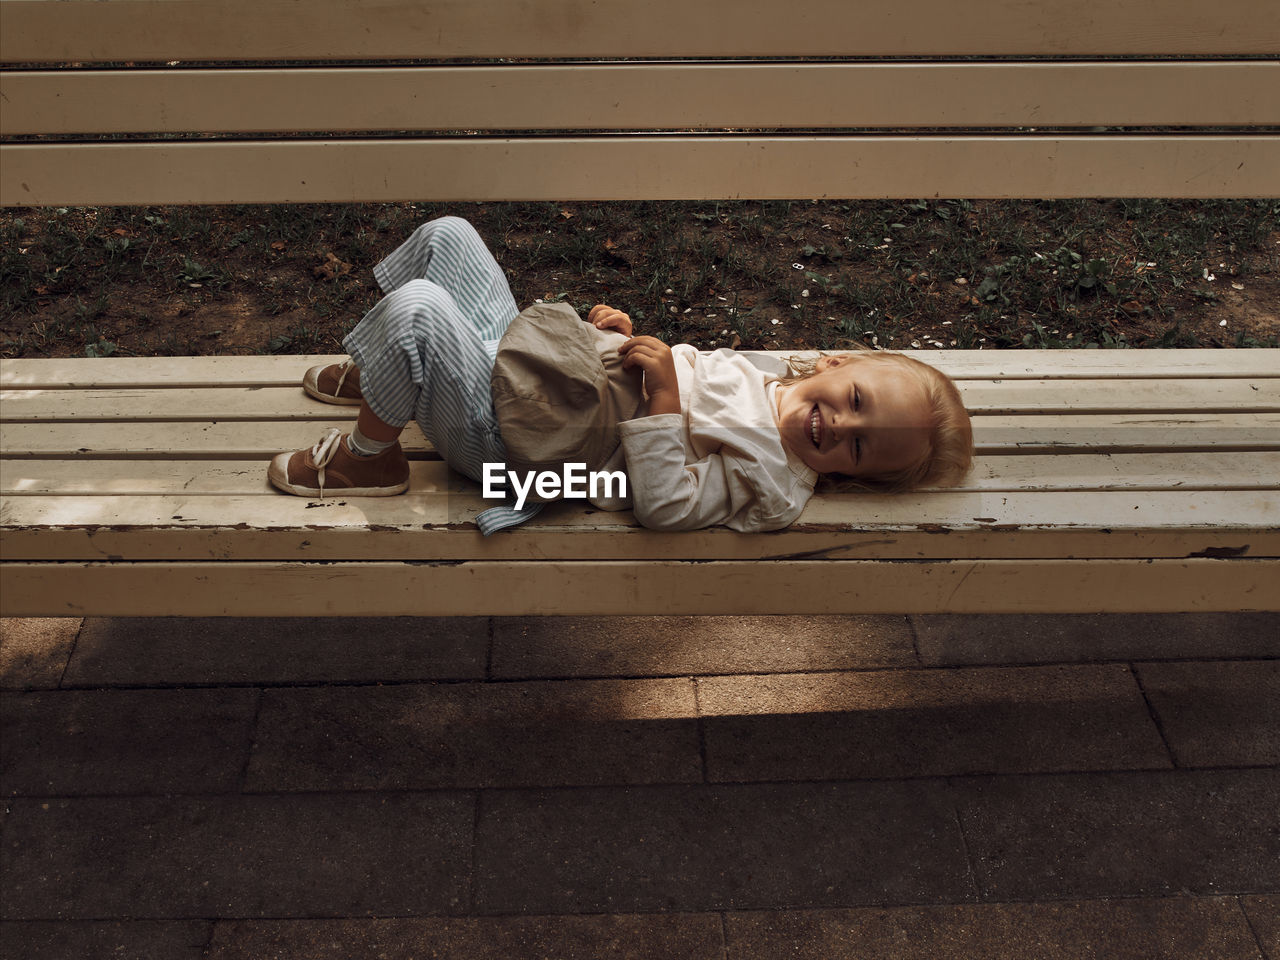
(362, 446)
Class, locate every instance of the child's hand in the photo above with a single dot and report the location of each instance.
(605, 317)
(654, 358)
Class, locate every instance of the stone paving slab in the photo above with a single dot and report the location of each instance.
(1174, 929)
(89, 940)
(1206, 832)
(953, 639)
(125, 741)
(695, 848)
(177, 650)
(529, 647)
(534, 788)
(1217, 714)
(237, 856)
(1264, 919)
(546, 733)
(34, 650)
(913, 723)
(611, 937)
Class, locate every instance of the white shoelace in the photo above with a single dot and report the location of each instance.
(343, 369)
(324, 451)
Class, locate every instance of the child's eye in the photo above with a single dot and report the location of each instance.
(857, 398)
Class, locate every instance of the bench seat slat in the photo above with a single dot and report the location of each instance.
(415, 526)
(620, 167)
(88, 30)
(1141, 471)
(980, 396)
(586, 539)
(232, 440)
(670, 587)
(643, 97)
(232, 372)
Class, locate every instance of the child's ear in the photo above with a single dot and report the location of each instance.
(826, 362)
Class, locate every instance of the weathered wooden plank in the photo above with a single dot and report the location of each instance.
(97, 373)
(431, 525)
(671, 587)
(1100, 433)
(581, 537)
(629, 96)
(182, 440)
(87, 30)
(620, 167)
(234, 478)
(1138, 471)
(289, 403)
(285, 404)
(234, 372)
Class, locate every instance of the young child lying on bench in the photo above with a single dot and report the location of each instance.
(715, 440)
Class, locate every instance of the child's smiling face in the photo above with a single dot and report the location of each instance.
(857, 417)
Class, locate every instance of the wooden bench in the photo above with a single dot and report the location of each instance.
(1106, 480)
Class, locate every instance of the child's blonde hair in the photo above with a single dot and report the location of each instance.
(950, 454)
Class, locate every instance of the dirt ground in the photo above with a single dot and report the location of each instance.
(241, 280)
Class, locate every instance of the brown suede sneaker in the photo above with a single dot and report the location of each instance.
(331, 469)
(336, 383)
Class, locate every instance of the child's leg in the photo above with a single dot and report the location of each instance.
(450, 253)
(420, 359)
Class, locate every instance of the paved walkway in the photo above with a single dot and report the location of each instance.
(650, 788)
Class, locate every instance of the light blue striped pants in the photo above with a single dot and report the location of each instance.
(427, 349)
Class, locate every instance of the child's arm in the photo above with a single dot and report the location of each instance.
(654, 358)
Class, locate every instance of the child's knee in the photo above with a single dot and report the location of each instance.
(450, 232)
(416, 298)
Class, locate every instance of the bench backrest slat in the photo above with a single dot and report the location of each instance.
(164, 30)
(619, 168)
(643, 97)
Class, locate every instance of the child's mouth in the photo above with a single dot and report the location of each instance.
(815, 427)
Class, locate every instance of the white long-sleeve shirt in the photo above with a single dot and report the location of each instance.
(720, 460)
